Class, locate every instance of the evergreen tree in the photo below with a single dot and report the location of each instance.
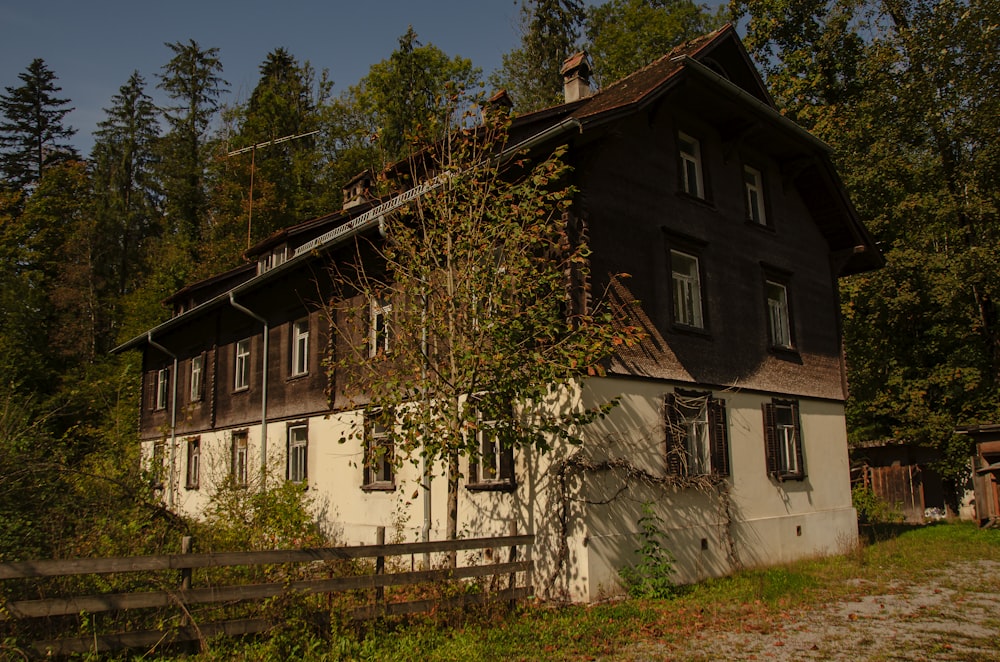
(531, 73)
(128, 198)
(32, 130)
(191, 80)
(626, 35)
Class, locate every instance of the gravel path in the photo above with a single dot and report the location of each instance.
(953, 614)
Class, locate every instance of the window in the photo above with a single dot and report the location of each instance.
(196, 377)
(242, 380)
(300, 347)
(686, 291)
(778, 325)
(298, 447)
(696, 434)
(378, 459)
(193, 462)
(494, 466)
(162, 388)
(753, 184)
(783, 440)
(690, 153)
(240, 458)
(378, 339)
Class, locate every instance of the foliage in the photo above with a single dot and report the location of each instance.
(482, 274)
(32, 130)
(871, 508)
(651, 577)
(531, 73)
(906, 93)
(625, 35)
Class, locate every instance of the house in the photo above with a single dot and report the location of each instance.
(985, 472)
(735, 228)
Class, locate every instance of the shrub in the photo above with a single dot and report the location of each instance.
(873, 509)
(651, 577)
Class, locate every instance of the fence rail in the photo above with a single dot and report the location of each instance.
(373, 583)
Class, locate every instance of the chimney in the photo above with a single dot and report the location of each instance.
(576, 77)
(357, 190)
(496, 106)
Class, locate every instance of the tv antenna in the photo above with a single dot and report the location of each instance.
(253, 158)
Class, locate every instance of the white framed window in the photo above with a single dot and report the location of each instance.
(493, 466)
(300, 347)
(689, 150)
(298, 451)
(197, 364)
(696, 434)
(240, 458)
(379, 459)
(193, 463)
(162, 388)
(242, 365)
(686, 290)
(783, 440)
(778, 319)
(379, 335)
(753, 185)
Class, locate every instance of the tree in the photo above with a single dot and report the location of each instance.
(626, 35)
(477, 332)
(32, 129)
(191, 80)
(907, 93)
(411, 96)
(128, 200)
(531, 73)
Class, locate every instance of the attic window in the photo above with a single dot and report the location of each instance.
(272, 258)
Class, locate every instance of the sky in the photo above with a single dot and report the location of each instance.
(93, 46)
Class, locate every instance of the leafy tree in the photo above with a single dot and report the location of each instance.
(191, 80)
(531, 73)
(482, 324)
(410, 97)
(128, 198)
(626, 35)
(907, 92)
(32, 129)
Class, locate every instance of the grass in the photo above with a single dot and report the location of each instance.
(758, 600)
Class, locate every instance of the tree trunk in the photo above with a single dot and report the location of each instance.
(452, 526)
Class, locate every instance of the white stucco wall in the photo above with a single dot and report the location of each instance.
(595, 510)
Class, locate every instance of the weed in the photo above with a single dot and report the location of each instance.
(652, 576)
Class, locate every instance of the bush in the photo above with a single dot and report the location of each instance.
(873, 509)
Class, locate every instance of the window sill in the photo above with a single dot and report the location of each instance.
(763, 227)
(786, 477)
(493, 486)
(379, 487)
(785, 353)
(191, 487)
(696, 331)
(241, 389)
(293, 378)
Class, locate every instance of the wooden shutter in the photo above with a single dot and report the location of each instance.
(506, 460)
(719, 436)
(770, 438)
(674, 442)
(151, 390)
(798, 440)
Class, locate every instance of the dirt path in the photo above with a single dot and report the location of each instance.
(953, 614)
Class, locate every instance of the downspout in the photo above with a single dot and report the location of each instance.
(263, 395)
(173, 416)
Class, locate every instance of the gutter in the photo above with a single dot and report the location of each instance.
(263, 395)
(174, 378)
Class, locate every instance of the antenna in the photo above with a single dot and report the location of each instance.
(253, 158)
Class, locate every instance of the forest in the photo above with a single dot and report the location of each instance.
(907, 92)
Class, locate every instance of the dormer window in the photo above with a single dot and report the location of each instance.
(272, 258)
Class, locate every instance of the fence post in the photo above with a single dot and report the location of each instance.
(186, 544)
(380, 567)
(512, 581)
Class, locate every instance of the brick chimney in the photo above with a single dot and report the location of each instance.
(357, 190)
(576, 77)
(498, 105)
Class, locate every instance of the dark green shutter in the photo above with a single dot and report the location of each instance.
(719, 436)
(674, 443)
(770, 438)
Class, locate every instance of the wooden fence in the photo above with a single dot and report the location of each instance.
(899, 485)
(370, 582)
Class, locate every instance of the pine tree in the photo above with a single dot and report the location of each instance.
(124, 162)
(531, 73)
(191, 80)
(32, 130)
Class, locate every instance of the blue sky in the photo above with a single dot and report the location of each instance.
(93, 46)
